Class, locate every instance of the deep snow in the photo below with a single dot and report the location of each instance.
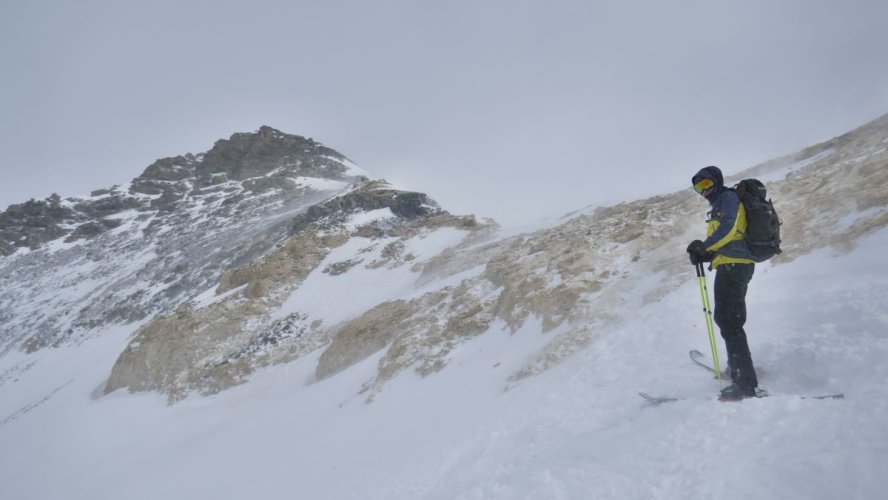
(817, 325)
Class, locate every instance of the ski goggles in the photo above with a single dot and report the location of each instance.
(703, 185)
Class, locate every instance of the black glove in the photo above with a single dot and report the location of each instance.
(698, 253)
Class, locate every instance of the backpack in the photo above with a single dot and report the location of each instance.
(762, 223)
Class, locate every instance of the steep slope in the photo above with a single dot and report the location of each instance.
(586, 273)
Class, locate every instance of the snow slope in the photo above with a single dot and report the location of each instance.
(579, 430)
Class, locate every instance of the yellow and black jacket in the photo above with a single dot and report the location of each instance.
(727, 223)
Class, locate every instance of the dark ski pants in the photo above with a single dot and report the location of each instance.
(731, 282)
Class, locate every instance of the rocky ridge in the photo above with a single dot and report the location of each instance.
(129, 252)
(247, 164)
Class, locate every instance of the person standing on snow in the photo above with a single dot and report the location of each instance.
(725, 247)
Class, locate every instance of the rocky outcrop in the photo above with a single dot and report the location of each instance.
(142, 249)
(261, 162)
(373, 195)
(208, 348)
(253, 155)
(569, 278)
(34, 223)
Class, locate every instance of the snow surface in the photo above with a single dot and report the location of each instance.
(364, 218)
(335, 298)
(319, 184)
(209, 297)
(817, 325)
(352, 169)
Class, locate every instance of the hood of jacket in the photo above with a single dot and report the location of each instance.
(714, 173)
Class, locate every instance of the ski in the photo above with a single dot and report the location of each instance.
(838, 395)
(696, 356)
(657, 400)
(760, 393)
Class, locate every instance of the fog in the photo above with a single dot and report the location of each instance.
(514, 110)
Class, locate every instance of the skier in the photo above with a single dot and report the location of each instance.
(730, 256)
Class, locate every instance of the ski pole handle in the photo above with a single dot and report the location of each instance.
(700, 272)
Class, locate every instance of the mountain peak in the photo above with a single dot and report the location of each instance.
(251, 154)
(264, 149)
(280, 167)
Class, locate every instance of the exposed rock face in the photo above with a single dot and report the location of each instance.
(245, 156)
(374, 197)
(212, 348)
(261, 162)
(258, 163)
(220, 344)
(134, 251)
(32, 223)
(571, 277)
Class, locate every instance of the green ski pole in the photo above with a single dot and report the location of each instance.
(710, 327)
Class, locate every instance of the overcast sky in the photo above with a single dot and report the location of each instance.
(516, 110)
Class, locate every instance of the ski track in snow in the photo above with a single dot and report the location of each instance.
(817, 325)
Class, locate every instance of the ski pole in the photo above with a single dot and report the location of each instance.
(710, 327)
